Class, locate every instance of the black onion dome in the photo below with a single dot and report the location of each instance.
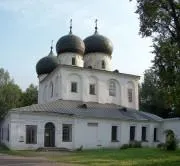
(98, 43)
(46, 65)
(70, 43)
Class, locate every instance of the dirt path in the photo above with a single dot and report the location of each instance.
(8, 160)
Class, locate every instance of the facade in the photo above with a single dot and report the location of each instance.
(82, 102)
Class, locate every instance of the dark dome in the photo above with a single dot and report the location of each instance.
(70, 43)
(98, 43)
(46, 65)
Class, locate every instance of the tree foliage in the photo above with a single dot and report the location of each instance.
(11, 95)
(30, 96)
(160, 19)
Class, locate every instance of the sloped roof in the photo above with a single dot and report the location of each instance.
(90, 109)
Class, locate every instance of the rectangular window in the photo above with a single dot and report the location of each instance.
(73, 61)
(130, 95)
(92, 89)
(67, 133)
(112, 88)
(31, 134)
(132, 133)
(74, 87)
(155, 135)
(143, 136)
(93, 124)
(114, 133)
(8, 133)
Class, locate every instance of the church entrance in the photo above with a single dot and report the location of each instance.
(49, 135)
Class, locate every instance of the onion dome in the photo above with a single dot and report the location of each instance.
(47, 64)
(98, 43)
(70, 43)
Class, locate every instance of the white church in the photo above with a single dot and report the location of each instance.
(83, 102)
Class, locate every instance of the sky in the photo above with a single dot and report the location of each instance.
(28, 26)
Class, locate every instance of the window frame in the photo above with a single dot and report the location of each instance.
(68, 137)
(144, 134)
(134, 133)
(112, 88)
(92, 89)
(31, 138)
(114, 133)
(74, 89)
(130, 95)
(73, 62)
(155, 134)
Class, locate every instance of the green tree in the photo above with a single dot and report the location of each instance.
(30, 96)
(160, 19)
(152, 98)
(10, 93)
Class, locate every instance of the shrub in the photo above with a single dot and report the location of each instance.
(161, 146)
(135, 144)
(171, 142)
(124, 146)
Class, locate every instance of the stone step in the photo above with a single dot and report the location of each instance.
(46, 149)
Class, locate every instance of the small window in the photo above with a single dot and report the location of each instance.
(8, 133)
(132, 133)
(73, 61)
(31, 134)
(103, 65)
(52, 89)
(74, 87)
(144, 135)
(114, 133)
(155, 135)
(92, 89)
(112, 88)
(93, 124)
(67, 133)
(130, 95)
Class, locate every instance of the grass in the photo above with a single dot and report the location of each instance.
(128, 157)
(109, 157)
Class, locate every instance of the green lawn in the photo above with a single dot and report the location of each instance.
(110, 157)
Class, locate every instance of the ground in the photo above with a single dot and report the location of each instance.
(101, 157)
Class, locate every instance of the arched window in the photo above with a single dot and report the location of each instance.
(103, 65)
(112, 88)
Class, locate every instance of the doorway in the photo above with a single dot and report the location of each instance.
(49, 135)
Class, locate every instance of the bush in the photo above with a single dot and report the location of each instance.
(171, 142)
(135, 144)
(161, 146)
(124, 146)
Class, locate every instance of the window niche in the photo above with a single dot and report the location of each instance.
(31, 134)
(67, 133)
(103, 64)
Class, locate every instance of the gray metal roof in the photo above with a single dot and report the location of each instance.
(90, 109)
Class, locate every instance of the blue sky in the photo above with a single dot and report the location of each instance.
(28, 26)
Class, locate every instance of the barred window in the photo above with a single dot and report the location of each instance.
(144, 134)
(112, 88)
(31, 134)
